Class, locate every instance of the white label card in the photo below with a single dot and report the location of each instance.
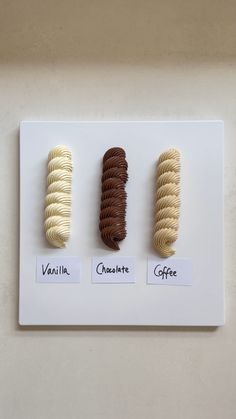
(172, 271)
(64, 269)
(113, 270)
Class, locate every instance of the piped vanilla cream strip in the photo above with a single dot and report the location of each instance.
(58, 197)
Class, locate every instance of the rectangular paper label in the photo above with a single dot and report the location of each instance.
(173, 271)
(64, 269)
(113, 270)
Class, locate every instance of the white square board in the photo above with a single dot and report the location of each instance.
(200, 233)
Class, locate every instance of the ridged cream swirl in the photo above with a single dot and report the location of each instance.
(112, 223)
(167, 202)
(58, 197)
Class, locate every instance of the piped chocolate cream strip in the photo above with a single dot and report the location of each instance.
(113, 200)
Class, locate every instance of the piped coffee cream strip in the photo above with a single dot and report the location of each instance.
(58, 197)
(167, 202)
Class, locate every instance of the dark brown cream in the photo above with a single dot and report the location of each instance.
(112, 224)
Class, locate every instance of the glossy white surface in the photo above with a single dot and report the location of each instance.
(200, 231)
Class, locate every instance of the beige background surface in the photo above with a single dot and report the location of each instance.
(107, 59)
